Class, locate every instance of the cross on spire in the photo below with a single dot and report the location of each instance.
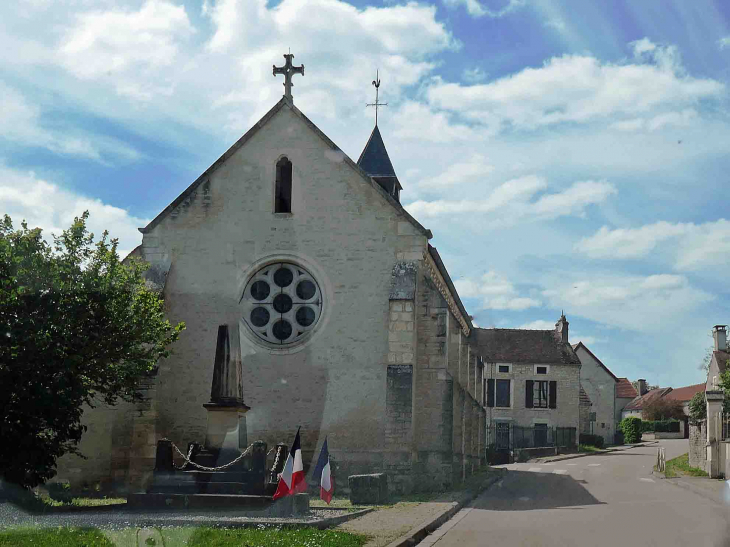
(288, 71)
(376, 104)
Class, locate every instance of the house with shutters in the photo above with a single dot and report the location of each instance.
(532, 380)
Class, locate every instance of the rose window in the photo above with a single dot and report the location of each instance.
(282, 303)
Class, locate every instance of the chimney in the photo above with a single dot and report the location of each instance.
(719, 335)
(642, 386)
(561, 328)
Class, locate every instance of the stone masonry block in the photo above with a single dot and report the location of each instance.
(368, 489)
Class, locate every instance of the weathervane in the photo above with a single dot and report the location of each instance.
(376, 104)
(288, 71)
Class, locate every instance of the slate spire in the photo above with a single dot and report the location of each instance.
(375, 161)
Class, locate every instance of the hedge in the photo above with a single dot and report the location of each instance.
(660, 426)
(591, 440)
(631, 428)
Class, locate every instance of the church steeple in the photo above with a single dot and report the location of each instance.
(374, 159)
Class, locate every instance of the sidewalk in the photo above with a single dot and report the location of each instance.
(712, 489)
(406, 522)
(563, 457)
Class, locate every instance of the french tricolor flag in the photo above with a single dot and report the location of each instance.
(322, 470)
(291, 480)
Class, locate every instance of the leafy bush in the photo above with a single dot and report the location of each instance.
(587, 439)
(697, 408)
(660, 426)
(663, 409)
(631, 428)
(60, 491)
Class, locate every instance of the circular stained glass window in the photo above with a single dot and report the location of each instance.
(306, 289)
(282, 303)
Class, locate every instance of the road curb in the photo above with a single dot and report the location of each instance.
(574, 456)
(420, 532)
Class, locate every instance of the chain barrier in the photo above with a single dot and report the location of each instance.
(204, 468)
(187, 459)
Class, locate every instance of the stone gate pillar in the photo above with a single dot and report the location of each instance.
(714, 431)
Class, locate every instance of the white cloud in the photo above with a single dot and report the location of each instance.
(21, 122)
(693, 246)
(638, 303)
(416, 121)
(478, 8)
(556, 23)
(539, 324)
(474, 170)
(580, 89)
(512, 200)
(127, 47)
(724, 42)
(495, 292)
(47, 206)
(473, 75)
(682, 118)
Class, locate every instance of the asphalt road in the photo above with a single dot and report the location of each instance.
(602, 500)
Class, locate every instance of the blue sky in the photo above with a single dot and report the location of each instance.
(566, 155)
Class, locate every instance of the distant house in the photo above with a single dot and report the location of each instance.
(598, 384)
(637, 406)
(684, 395)
(532, 382)
(625, 393)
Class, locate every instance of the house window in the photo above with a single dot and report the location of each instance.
(504, 369)
(539, 394)
(283, 186)
(502, 396)
(542, 369)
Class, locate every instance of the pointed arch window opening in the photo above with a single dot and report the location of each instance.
(282, 203)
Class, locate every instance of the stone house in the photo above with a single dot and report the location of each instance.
(347, 320)
(636, 407)
(599, 385)
(709, 441)
(532, 381)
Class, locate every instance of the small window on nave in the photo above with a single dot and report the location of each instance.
(282, 202)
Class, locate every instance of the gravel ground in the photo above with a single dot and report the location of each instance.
(12, 516)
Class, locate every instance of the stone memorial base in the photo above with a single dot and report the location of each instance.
(262, 506)
(368, 489)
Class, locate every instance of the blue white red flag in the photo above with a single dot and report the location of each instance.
(291, 480)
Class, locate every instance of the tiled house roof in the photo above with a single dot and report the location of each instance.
(684, 394)
(642, 401)
(625, 389)
(524, 346)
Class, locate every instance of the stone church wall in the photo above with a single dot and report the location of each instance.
(346, 234)
(350, 380)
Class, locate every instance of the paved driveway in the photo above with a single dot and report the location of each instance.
(602, 500)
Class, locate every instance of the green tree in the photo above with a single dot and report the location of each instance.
(77, 327)
(663, 408)
(697, 408)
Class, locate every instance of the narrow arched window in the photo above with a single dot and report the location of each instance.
(283, 186)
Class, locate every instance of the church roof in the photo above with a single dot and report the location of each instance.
(283, 102)
(374, 159)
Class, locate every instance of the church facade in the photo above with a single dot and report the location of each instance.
(349, 325)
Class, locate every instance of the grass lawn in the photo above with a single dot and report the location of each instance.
(180, 536)
(588, 448)
(680, 466)
(56, 537)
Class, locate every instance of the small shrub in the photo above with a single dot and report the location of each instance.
(631, 428)
(60, 491)
(587, 439)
